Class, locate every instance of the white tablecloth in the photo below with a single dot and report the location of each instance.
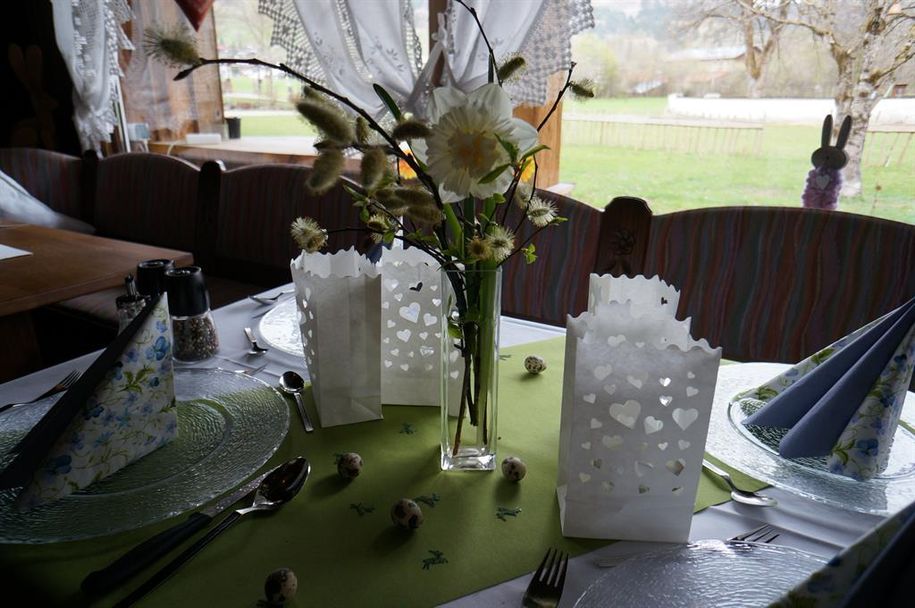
(804, 524)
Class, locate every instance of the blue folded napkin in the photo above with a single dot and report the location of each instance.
(121, 408)
(874, 571)
(844, 401)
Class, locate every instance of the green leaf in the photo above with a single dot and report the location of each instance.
(534, 150)
(498, 198)
(494, 174)
(388, 237)
(529, 256)
(357, 196)
(364, 214)
(559, 220)
(510, 148)
(387, 100)
(454, 330)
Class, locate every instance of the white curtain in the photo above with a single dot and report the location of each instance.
(350, 44)
(89, 36)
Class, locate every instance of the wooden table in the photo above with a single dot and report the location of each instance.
(63, 265)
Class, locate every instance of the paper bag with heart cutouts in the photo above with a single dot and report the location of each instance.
(637, 396)
(339, 300)
(411, 338)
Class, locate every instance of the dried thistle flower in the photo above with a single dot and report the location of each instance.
(327, 119)
(582, 88)
(479, 249)
(511, 67)
(410, 129)
(378, 224)
(541, 212)
(374, 162)
(326, 171)
(308, 234)
(172, 45)
(502, 241)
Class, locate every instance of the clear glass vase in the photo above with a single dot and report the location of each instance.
(470, 368)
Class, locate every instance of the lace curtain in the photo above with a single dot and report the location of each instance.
(350, 44)
(89, 36)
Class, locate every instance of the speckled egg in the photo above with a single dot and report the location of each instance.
(280, 586)
(514, 468)
(534, 364)
(407, 514)
(349, 465)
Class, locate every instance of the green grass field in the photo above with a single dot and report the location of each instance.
(673, 181)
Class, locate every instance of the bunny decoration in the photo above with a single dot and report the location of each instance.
(825, 179)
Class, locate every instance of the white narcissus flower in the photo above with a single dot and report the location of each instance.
(463, 147)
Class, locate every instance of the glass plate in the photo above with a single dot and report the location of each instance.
(700, 574)
(228, 426)
(757, 456)
(279, 328)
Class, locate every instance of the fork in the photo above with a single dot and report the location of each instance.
(256, 349)
(68, 381)
(266, 300)
(763, 534)
(545, 587)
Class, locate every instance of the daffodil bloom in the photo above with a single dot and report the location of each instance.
(464, 146)
(403, 168)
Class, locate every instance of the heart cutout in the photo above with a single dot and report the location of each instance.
(589, 398)
(429, 319)
(596, 424)
(677, 490)
(404, 335)
(405, 366)
(676, 466)
(586, 445)
(584, 477)
(426, 351)
(652, 425)
(610, 388)
(398, 296)
(690, 375)
(597, 463)
(691, 391)
(643, 489)
(395, 351)
(388, 363)
(626, 413)
(423, 335)
(684, 418)
(642, 468)
(634, 381)
(664, 381)
(616, 340)
(602, 371)
(683, 444)
(606, 486)
(665, 400)
(391, 324)
(611, 443)
(662, 446)
(410, 313)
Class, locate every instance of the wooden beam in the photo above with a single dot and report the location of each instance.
(550, 135)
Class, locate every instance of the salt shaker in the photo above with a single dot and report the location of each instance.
(130, 304)
(192, 323)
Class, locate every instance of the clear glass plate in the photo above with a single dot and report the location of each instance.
(700, 574)
(228, 426)
(757, 454)
(279, 328)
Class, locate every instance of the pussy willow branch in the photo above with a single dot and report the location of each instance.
(407, 158)
(493, 68)
(526, 241)
(527, 206)
(562, 92)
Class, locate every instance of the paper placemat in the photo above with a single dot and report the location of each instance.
(7, 252)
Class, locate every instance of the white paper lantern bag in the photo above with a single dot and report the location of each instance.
(339, 300)
(637, 397)
(411, 329)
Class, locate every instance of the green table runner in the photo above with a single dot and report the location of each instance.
(479, 528)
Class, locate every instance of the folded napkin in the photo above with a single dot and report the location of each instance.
(122, 408)
(844, 401)
(874, 571)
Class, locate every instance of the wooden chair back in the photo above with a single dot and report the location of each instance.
(769, 283)
(62, 182)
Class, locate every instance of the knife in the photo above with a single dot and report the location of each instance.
(150, 550)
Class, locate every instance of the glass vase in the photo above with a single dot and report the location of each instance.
(470, 368)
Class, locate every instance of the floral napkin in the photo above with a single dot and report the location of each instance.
(121, 409)
(873, 571)
(844, 401)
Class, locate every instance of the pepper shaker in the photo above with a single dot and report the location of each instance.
(151, 276)
(130, 304)
(192, 322)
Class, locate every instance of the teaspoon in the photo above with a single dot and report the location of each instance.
(293, 384)
(741, 496)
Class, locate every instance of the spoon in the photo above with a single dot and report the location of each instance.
(256, 349)
(293, 384)
(277, 488)
(741, 496)
(267, 300)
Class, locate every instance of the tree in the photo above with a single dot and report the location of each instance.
(758, 35)
(869, 40)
